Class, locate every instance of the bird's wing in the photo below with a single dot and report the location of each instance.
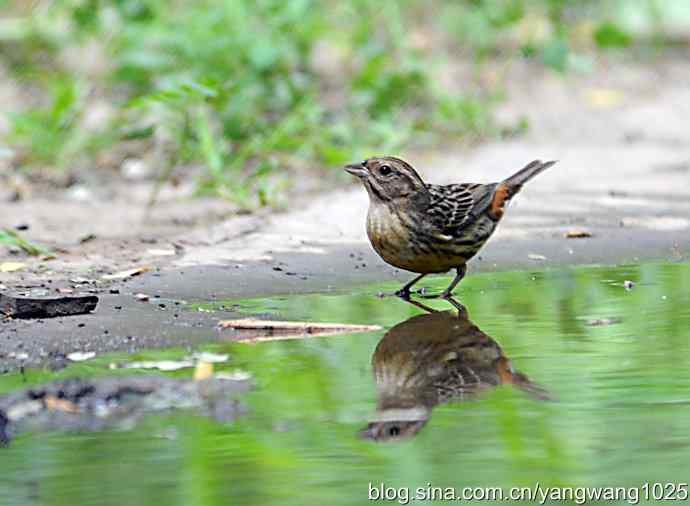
(454, 206)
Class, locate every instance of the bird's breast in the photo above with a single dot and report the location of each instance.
(404, 240)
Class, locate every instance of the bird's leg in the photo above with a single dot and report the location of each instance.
(459, 307)
(448, 292)
(420, 305)
(404, 292)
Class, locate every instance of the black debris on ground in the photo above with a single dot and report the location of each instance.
(94, 404)
(46, 307)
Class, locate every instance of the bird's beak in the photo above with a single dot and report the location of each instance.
(357, 169)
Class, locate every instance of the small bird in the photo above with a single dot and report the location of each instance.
(427, 228)
(431, 359)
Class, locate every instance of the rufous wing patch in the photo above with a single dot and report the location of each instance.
(504, 370)
(501, 195)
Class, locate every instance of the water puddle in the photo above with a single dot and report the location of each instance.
(569, 377)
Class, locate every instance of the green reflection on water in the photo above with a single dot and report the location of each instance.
(620, 414)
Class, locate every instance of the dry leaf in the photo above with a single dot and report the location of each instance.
(57, 404)
(11, 266)
(127, 274)
(604, 97)
(203, 370)
(577, 233)
(267, 330)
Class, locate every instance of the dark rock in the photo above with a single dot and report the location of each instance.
(46, 307)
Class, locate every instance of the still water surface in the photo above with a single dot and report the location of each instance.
(562, 377)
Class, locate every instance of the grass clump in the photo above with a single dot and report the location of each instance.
(9, 237)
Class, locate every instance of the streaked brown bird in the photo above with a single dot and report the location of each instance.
(431, 359)
(427, 228)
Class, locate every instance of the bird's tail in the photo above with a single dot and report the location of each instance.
(528, 172)
(507, 188)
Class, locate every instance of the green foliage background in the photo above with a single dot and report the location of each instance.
(258, 92)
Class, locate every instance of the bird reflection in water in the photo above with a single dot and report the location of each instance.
(430, 359)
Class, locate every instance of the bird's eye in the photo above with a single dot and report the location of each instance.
(394, 431)
(385, 170)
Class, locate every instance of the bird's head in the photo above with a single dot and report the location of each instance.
(392, 430)
(388, 178)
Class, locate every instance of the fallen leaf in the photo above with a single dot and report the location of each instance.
(604, 97)
(80, 356)
(11, 266)
(267, 330)
(203, 370)
(57, 404)
(577, 233)
(127, 274)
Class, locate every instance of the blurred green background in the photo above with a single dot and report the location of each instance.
(250, 96)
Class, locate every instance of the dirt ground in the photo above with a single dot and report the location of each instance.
(620, 135)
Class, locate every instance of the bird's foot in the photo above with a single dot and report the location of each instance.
(457, 305)
(430, 295)
(443, 295)
(423, 292)
(403, 294)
